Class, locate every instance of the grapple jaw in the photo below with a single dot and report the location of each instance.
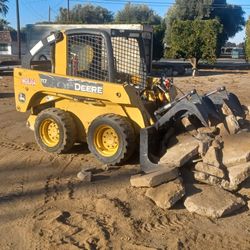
(149, 142)
(207, 109)
(221, 96)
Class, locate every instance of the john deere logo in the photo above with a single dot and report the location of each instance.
(71, 84)
(88, 88)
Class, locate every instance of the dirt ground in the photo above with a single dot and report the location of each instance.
(44, 206)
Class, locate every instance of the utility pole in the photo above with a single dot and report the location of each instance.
(68, 12)
(49, 13)
(18, 29)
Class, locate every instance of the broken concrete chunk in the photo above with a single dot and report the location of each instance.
(223, 129)
(181, 152)
(212, 157)
(232, 124)
(155, 178)
(245, 189)
(84, 176)
(189, 127)
(245, 192)
(226, 110)
(248, 109)
(218, 142)
(239, 173)
(211, 201)
(207, 130)
(225, 184)
(236, 149)
(205, 142)
(214, 181)
(203, 147)
(207, 178)
(166, 195)
(209, 169)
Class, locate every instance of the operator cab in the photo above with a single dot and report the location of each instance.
(112, 55)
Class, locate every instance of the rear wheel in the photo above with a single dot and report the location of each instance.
(55, 130)
(111, 138)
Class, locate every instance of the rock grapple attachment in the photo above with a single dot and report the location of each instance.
(208, 110)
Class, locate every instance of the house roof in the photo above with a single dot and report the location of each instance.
(5, 36)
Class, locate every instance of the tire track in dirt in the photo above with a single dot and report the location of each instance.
(83, 231)
(17, 147)
(51, 189)
(174, 221)
(70, 186)
(17, 185)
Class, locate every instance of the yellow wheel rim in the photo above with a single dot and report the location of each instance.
(106, 140)
(49, 132)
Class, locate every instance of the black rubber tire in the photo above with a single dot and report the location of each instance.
(125, 132)
(67, 130)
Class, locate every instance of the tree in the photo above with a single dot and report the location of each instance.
(137, 13)
(247, 46)
(230, 16)
(195, 40)
(3, 7)
(3, 11)
(4, 25)
(241, 45)
(230, 44)
(158, 45)
(141, 13)
(88, 14)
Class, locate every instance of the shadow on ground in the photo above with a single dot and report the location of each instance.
(7, 95)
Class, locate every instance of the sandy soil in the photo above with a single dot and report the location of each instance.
(44, 206)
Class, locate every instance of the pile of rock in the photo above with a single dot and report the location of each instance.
(164, 187)
(226, 162)
(222, 160)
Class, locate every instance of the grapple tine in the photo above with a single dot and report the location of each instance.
(149, 142)
(221, 96)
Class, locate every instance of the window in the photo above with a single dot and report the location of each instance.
(87, 56)
(85, 52)
(4, 47)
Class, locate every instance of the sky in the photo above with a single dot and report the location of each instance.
(32, 11)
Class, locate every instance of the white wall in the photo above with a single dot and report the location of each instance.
(9, 52)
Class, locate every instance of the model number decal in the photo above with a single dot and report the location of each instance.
(71, 84)
(28, 81)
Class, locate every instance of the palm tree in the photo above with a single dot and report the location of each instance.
(3, 7)
(4, 24)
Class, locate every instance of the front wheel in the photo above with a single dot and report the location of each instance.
(111, 138)
(55, 130)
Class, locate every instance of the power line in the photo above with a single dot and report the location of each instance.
(29, 6)
(160, 3)
(144, 2)
(153, 4)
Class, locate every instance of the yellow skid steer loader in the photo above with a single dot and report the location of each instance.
(98, 88)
